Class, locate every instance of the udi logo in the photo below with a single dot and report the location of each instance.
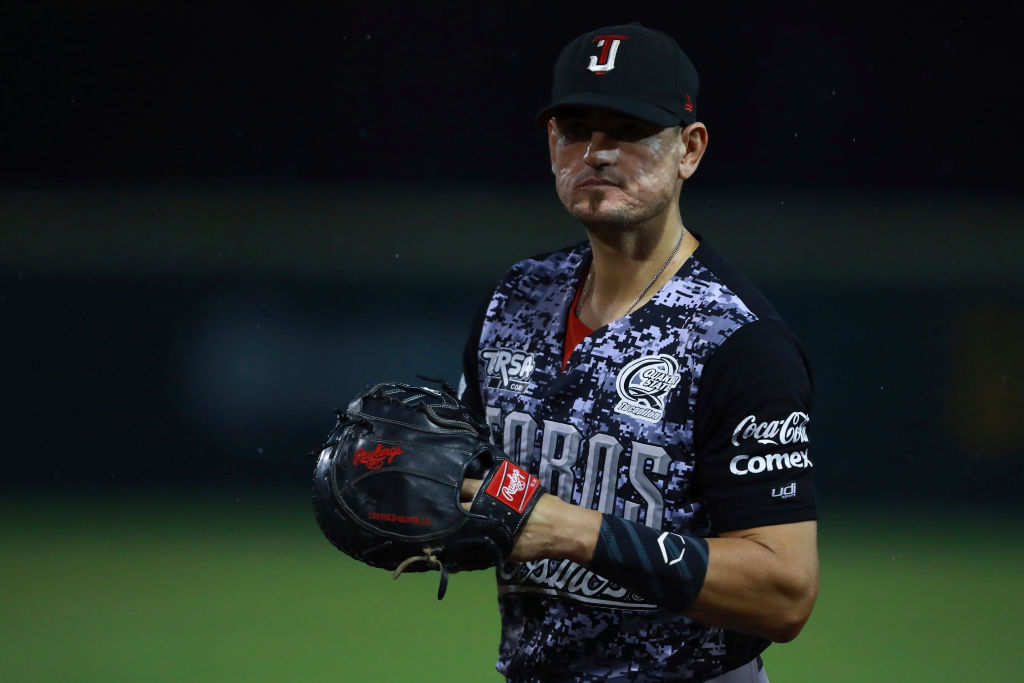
(605, 61)
(513, 486)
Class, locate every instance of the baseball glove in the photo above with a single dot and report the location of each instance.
(386, 484)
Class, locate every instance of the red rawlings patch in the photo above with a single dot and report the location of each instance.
(374, 459)
(513, 486)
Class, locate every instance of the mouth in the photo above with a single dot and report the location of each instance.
(596, 182)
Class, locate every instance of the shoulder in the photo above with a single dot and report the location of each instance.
(732, 323)
(710, 302)
(540, 278)
(728, 287)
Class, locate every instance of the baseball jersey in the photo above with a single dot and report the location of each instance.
(689, 415)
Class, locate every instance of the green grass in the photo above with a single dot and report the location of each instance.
(194, 589)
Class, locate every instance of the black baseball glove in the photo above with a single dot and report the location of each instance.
(386, 484)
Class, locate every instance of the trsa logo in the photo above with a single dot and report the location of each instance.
(642, 385)
(507, 368)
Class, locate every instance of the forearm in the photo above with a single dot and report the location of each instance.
(764, 584)
(557, 529)
(760, 581)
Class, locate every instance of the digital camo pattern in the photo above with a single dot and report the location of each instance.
(614, 432)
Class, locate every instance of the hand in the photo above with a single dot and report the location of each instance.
(554, 530)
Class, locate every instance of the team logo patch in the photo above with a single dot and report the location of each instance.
(602, 63)
(507, 368)
(642, 385)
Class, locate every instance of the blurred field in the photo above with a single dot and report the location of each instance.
(224, 589)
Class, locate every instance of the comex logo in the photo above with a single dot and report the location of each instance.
(508, 368)
(642, 385)
(745, 464)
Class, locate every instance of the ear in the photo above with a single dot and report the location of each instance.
(552, 141)
(694, 140)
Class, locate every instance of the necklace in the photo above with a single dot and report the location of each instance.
(590, 277)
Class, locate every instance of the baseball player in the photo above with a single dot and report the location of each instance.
(655, 393)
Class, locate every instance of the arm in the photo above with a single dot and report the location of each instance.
(762, 580)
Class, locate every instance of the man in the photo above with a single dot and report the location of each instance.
(655, 393)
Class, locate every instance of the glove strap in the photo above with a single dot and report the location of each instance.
(507, 495)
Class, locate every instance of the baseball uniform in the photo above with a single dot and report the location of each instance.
(690, 415)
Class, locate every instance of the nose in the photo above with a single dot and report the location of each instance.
(601, 150)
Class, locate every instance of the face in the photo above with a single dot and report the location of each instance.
(614, 169)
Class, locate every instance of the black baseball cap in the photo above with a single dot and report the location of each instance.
(630, 69)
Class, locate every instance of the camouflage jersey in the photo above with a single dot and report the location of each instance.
(688, 415)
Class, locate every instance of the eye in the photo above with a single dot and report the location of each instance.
(573, 129)
(632, 131)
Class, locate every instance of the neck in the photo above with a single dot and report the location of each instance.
(628, 260)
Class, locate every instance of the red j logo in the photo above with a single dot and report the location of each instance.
(605, 62)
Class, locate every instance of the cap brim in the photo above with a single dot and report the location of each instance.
(623, 105)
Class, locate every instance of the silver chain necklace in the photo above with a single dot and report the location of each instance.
(590, 277)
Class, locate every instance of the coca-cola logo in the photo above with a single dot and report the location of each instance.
(375, 459)
(793, 429)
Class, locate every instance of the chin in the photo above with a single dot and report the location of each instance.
(602, 215)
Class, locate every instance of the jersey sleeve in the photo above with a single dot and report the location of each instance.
(754, 466)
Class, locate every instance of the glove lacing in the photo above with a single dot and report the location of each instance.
(431, 558)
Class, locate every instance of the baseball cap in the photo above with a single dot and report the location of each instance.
(630, 69)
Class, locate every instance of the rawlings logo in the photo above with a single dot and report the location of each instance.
(516, 483)
(374, 459)
(513, 486)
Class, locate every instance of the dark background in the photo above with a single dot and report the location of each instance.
(217, 224)
(885, 95)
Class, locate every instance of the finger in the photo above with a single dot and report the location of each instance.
(469, 489)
